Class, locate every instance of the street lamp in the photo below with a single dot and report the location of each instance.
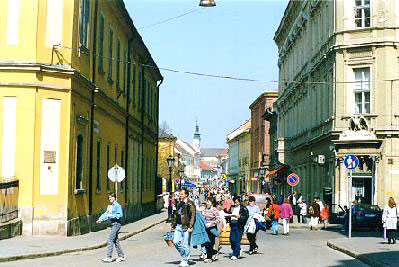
(262, 171)
(207, 3)
(171, 161)
(181, 174)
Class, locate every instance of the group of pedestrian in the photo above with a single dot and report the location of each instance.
(204, 223)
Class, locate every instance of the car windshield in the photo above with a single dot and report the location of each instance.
(368, 207)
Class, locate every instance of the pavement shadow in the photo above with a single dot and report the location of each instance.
(388, 258)
(177, 262)
(358, 232)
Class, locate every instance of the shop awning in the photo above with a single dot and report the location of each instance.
(273, 172)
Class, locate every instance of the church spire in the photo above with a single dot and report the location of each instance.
(197, 137)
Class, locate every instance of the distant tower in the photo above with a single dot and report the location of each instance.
(197, 137)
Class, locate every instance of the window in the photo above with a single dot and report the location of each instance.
(139, 92)
(108, 164)
(134, 85)
(362, 90)
(98, 166)
(118, 61)
(84, 23)
(111, 36)
(124, 72)
(79, 161)
(101, 45)
(362, 13)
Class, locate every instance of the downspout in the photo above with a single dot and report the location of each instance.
(129, 45)
(93, 92)
(141, 87)
(157, 144)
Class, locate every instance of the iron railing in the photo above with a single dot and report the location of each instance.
(9, 200)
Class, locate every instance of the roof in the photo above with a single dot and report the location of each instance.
(205, 165)
(268, 94)
(245, 127)
(213, 152)
(183, 147)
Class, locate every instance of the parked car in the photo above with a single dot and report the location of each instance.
(366, 216)
(337, 214)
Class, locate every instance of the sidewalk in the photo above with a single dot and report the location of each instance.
(373, 251)
(29, 247)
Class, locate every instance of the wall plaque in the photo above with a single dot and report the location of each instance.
(49, 156)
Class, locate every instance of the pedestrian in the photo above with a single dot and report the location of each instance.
(182, 224)
(252, 209)
(302, 211)
(390, 219)
(286, 214)
(314, 212)
(274, 215)
(297, 211)
(212, 218)
(239, 218)
(114, 214)
(199, 235)
(324, 214)
(222, 223)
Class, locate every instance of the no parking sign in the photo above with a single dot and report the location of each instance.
(293, 179)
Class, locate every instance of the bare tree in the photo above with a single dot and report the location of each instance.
(164, 129)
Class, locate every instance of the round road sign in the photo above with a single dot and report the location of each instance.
(116, 174)
(351, 162)
(293, 179)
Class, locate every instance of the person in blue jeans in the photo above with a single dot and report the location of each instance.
(239, 218)
(182, 224)
(114, 214)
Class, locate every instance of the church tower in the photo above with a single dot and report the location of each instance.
(197, 137)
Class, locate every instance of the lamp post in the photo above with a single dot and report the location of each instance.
(207, 3)
(171, 161)
(262, 171)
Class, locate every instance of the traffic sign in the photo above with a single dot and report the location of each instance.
(351, 162)
(116, 174)
(177, 180)
(293, 179)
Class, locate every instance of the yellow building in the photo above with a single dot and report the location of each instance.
(76, 99)
(166, 148)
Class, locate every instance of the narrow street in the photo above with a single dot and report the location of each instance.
(148, 249)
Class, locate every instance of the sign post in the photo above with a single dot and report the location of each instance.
(351, 162)
(293, 180)
(116, 174)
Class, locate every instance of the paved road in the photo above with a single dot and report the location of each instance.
(300, 248)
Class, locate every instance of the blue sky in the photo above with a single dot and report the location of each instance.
(235, 38)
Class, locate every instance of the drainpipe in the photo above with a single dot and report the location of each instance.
(157, 143)
(129, 47)
(142, 137)
(94, 91)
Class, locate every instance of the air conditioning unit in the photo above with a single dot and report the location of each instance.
(321, 159)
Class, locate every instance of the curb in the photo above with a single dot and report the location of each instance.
(356, 255)
(66, 251)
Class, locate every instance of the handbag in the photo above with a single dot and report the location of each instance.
(214, 231)
(168, 237)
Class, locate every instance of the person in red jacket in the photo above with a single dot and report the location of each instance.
(324, 216)
(274, 215)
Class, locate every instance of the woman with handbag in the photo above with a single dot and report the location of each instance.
(390, 219)
(211, 215)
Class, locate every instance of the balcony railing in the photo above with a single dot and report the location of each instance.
(9, 191)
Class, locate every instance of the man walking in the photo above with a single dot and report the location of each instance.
(182, 224)
(239, 218)
(114, 214)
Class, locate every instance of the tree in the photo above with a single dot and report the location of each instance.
(164, 130)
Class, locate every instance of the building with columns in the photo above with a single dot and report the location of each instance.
(338, 95)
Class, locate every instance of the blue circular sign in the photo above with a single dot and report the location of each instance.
(351, 162)
(293, 179)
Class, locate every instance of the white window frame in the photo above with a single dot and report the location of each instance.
(362, 9)
(84, 22)
(362, 87)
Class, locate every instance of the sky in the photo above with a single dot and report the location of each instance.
(234, 39)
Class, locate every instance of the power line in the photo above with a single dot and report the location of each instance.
(169, 19)
(228, 77)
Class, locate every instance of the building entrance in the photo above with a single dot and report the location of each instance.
(362, 189)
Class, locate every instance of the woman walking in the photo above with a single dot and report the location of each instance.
(324, 214)
(211, 216)
(274, 214)
(314, 212)
(390, 219)
(286, 214)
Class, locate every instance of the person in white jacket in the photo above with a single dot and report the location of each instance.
(390, 219)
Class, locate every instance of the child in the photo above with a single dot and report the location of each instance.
(324, 216)
(302, 211)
